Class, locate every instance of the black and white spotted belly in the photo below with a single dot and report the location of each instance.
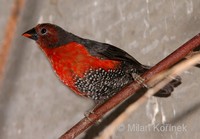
(101, 84)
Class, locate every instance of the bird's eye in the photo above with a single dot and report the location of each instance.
(43, 31)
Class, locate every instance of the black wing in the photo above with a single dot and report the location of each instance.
(107, 51)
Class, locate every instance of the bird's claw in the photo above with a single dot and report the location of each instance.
(87, 113)
(139, 80)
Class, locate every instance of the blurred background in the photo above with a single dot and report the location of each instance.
(35, 104)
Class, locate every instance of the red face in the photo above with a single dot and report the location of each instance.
(46, 35)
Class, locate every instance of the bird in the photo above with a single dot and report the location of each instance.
(90, 68)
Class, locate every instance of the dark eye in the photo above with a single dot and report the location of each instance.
(43, 31)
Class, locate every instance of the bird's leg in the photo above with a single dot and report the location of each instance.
(91, 111)
(139, 80)
(87, 113)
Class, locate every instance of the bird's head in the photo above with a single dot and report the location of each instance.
(47, 35)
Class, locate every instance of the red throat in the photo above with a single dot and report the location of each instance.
(72, 60)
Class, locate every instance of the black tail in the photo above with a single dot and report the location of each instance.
(169, 88)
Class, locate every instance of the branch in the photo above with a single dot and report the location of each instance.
(172, 59)
(9, 34)
(171, 73)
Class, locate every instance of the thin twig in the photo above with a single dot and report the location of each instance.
(173, 72)
(173, 58)
(9, 34)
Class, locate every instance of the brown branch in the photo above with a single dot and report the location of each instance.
(173, 58)
(9, 34)
(167, 76)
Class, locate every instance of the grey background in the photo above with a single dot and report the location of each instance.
(35, 104)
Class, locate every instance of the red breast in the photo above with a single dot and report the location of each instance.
(72, 60)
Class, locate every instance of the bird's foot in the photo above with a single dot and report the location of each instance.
(87, 113)
(91, 111)
(139, 80)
